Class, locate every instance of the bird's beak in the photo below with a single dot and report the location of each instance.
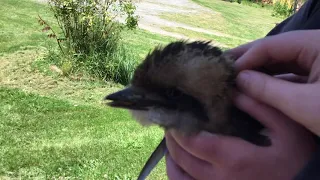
(135, 99)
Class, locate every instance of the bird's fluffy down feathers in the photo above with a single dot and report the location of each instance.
(188, 87)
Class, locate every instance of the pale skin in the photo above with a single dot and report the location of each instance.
(288, 105)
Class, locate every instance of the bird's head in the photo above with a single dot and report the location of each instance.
(180, 77)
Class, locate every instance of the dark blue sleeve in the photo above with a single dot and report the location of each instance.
(308, 17)
(312, 170)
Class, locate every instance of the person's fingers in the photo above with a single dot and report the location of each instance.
(275, 121)
(174, 172)
(283, 68)
(271, 91)
(290, 98)
(240, 50)
(237, 52)
(293, 78)
(196, 168)
(281, 49)
(213, 148)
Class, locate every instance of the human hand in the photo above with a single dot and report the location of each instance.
(207, 156)
(295, 52)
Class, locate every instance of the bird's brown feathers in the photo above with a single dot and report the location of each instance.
(187, 87)
(194, 83)
(196, 69)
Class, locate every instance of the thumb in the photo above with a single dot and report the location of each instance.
(292, 99)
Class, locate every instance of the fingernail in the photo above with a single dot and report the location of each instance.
(206, 134)
(244, 79)
(244, 76)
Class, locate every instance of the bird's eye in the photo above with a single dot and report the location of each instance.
(173, 93)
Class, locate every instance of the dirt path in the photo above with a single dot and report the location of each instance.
(149, 11)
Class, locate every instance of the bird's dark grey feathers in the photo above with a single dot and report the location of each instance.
(188, 87)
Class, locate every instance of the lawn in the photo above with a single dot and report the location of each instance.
(46, 137)
(240, 23)
(54, 126)
(227, 41)
(57, 127)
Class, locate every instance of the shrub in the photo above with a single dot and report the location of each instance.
(253, 3)
(282, 8)
(90, 37)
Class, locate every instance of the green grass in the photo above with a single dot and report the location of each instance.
(18, 25)
(220, 40)
(53, 126)
(240, 21)
(141, 41)
(46, 137)
(19, 29)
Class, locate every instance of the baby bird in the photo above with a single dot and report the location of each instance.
(187, 86)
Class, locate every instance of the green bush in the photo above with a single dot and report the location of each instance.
(252, 3)
(89, 37)
(283, 9)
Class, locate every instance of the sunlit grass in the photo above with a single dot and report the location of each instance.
(241, 21)
(54, 126)
(46, 137)
(222, 41)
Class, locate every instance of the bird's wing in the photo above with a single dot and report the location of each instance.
(153, 160)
